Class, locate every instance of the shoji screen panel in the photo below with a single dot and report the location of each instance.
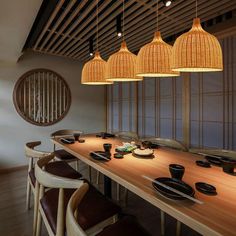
(213, 103)
(122, 107)
(160, 108)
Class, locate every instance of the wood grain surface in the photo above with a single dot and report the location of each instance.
(215, 217)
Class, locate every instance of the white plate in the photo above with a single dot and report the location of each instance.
(143, 152)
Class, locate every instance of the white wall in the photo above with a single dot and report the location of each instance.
(86, 112)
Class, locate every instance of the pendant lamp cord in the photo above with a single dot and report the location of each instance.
(196, 9)
(157, 16)
(123, 20)
(97, 26)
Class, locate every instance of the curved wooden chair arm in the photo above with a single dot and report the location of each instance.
(127, 135)
(31, 153)
(168, 143)
(73, 228)
(64, 132)
(52, 181)
(213, 151)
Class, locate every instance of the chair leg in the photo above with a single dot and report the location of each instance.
(28, 194)
(39, 216)
(77, 165)
(36, 199)
(162, 223)
(178, 228)
(117, 192)
(90, 173)
(98, 177)
(126, 196)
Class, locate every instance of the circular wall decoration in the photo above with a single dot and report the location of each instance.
(42, 97)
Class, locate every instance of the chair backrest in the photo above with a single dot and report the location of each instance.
(53, 181)
(212, 151)
(31, 153)
(127, 135)
(72, 227)
(168, 143)
(64, 132)
(45, 179)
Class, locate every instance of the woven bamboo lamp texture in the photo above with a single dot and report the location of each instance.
(197, 51)
(121, 66)
(154, 59)
(93, 72)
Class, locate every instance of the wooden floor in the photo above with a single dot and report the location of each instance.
(16, 221)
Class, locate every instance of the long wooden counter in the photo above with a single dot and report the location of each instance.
(217, 216)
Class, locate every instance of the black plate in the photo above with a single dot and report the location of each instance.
(105, 154)
(214, 160)
(176, 184)
(67, 140)
(205, 188)
(205, 164)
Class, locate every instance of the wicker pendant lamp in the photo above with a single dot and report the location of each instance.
(154, 59)
(121, 66)
(197, 51)
(93, 72)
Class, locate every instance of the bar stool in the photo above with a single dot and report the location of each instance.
(125, 227)
(51, 205)
(59, 168)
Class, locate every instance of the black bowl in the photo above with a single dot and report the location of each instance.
(107, 147)
(228, 165)
(176, 171)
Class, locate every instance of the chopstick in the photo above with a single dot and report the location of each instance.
(99, 155)
(173, 190)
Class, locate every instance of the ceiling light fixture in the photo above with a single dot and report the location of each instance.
(121, 66)
(197, 51)
(167, 3)
(93, 72)
(118, 26)
(154, 59)
(91, 46)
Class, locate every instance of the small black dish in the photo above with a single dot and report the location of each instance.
(228, 165)
(176, 171)
(175, 184)
(105, 135)
(205, 164)
(67, 140)
(118, 155)
(205, 188)
(214, 160)
(107, 156)
(81, 141)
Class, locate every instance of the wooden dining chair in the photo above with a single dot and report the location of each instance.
(124, 227)
(96, 210)
(32, 155)
(213, 151)
(61, 154)
(171, 143)
(59, 167)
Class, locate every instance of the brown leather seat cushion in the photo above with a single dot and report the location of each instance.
(59, 168)
(64, 155)
(125, 227)
(93, 209)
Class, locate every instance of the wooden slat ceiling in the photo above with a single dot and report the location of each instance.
(72, 23)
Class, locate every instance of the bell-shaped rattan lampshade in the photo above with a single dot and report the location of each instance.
(154, 59)
(121, 66)
(93, 72)
(197, 51)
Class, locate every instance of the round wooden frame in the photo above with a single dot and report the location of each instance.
(16, 95)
